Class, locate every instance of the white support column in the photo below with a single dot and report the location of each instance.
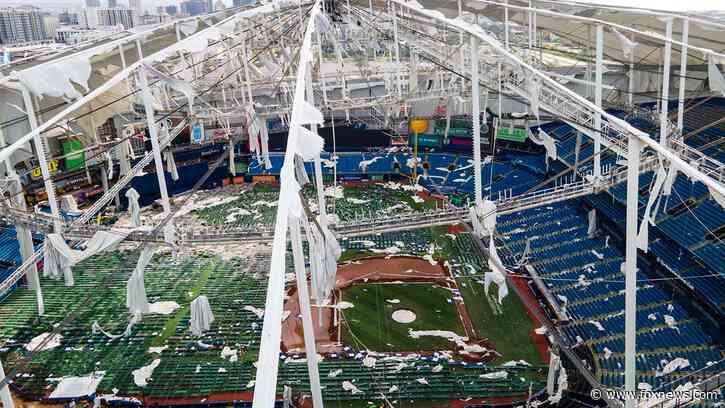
(397, 50)
(505, 24)
(5, 396)
(461, 50)
(248, 80)
(153, 134)
(25, 238)
(476, 118)
(683, 74)
(319, 185)
(42, 159)
(630, 271)
(588, 68)
(598, 101)
(530, 31)
(321, 75)
(630, 87)
(304, 301)
(666, 83)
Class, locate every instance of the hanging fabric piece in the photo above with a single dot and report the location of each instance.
(309, 115)
(135, 319)
(109, 175)
(720, 199)
(300, 172)
(57, 79)
(715, 77)
(324, 251)
(527, 252)
(549, 143)
(554, 365)
(232, 165)
(533, 85)
(136, 299)
(170, 233)
(68, 203)
(309, 144)
(315, 245)
(123, 152)
(488, 212)
(133, 207)
(58, 257)
(627, 44)
(647, 219)
(258, 137)
(264, 140)
(171, 164)
(592, 228)
(175, 84)
(188, 27)
(201, 315)
(476, 222)
(670, 179)
(497, 274)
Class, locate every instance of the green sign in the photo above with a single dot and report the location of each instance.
(512, 134)
(74, 161)
(425, 140)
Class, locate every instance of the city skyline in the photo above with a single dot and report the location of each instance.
(61, 5)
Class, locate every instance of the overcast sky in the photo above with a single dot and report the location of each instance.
(670, 5)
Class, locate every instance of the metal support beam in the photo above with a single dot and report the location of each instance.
(598, 101)
(683, 73)
(247, 78)
(319, 185)
(42, 159)
(666, 83)
(397, 49)
(630, 270)
(506, 24)
(630, 86)
(24, 237)
(304, 301)
(476, 118)
(461, 50)
(5, 396)
(153, 133)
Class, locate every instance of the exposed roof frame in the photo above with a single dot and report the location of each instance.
(644, 139)
(596, 21)
(120, 76)
(637, 10)
(99, 49)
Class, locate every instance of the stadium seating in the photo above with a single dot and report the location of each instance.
(584, 275)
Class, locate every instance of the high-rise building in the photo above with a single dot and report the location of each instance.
(51, 23)
(193, 7)
(117, 16)
(239, 3)
(209, 6)
(68, 18)
(21, 25)
(88, 18)
(135, 5)
(172, 10)
(112, 3)
(93, 3)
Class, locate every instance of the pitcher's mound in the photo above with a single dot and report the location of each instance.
(404, 316)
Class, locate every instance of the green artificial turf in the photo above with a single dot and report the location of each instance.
(370, 325)
(510, 331)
